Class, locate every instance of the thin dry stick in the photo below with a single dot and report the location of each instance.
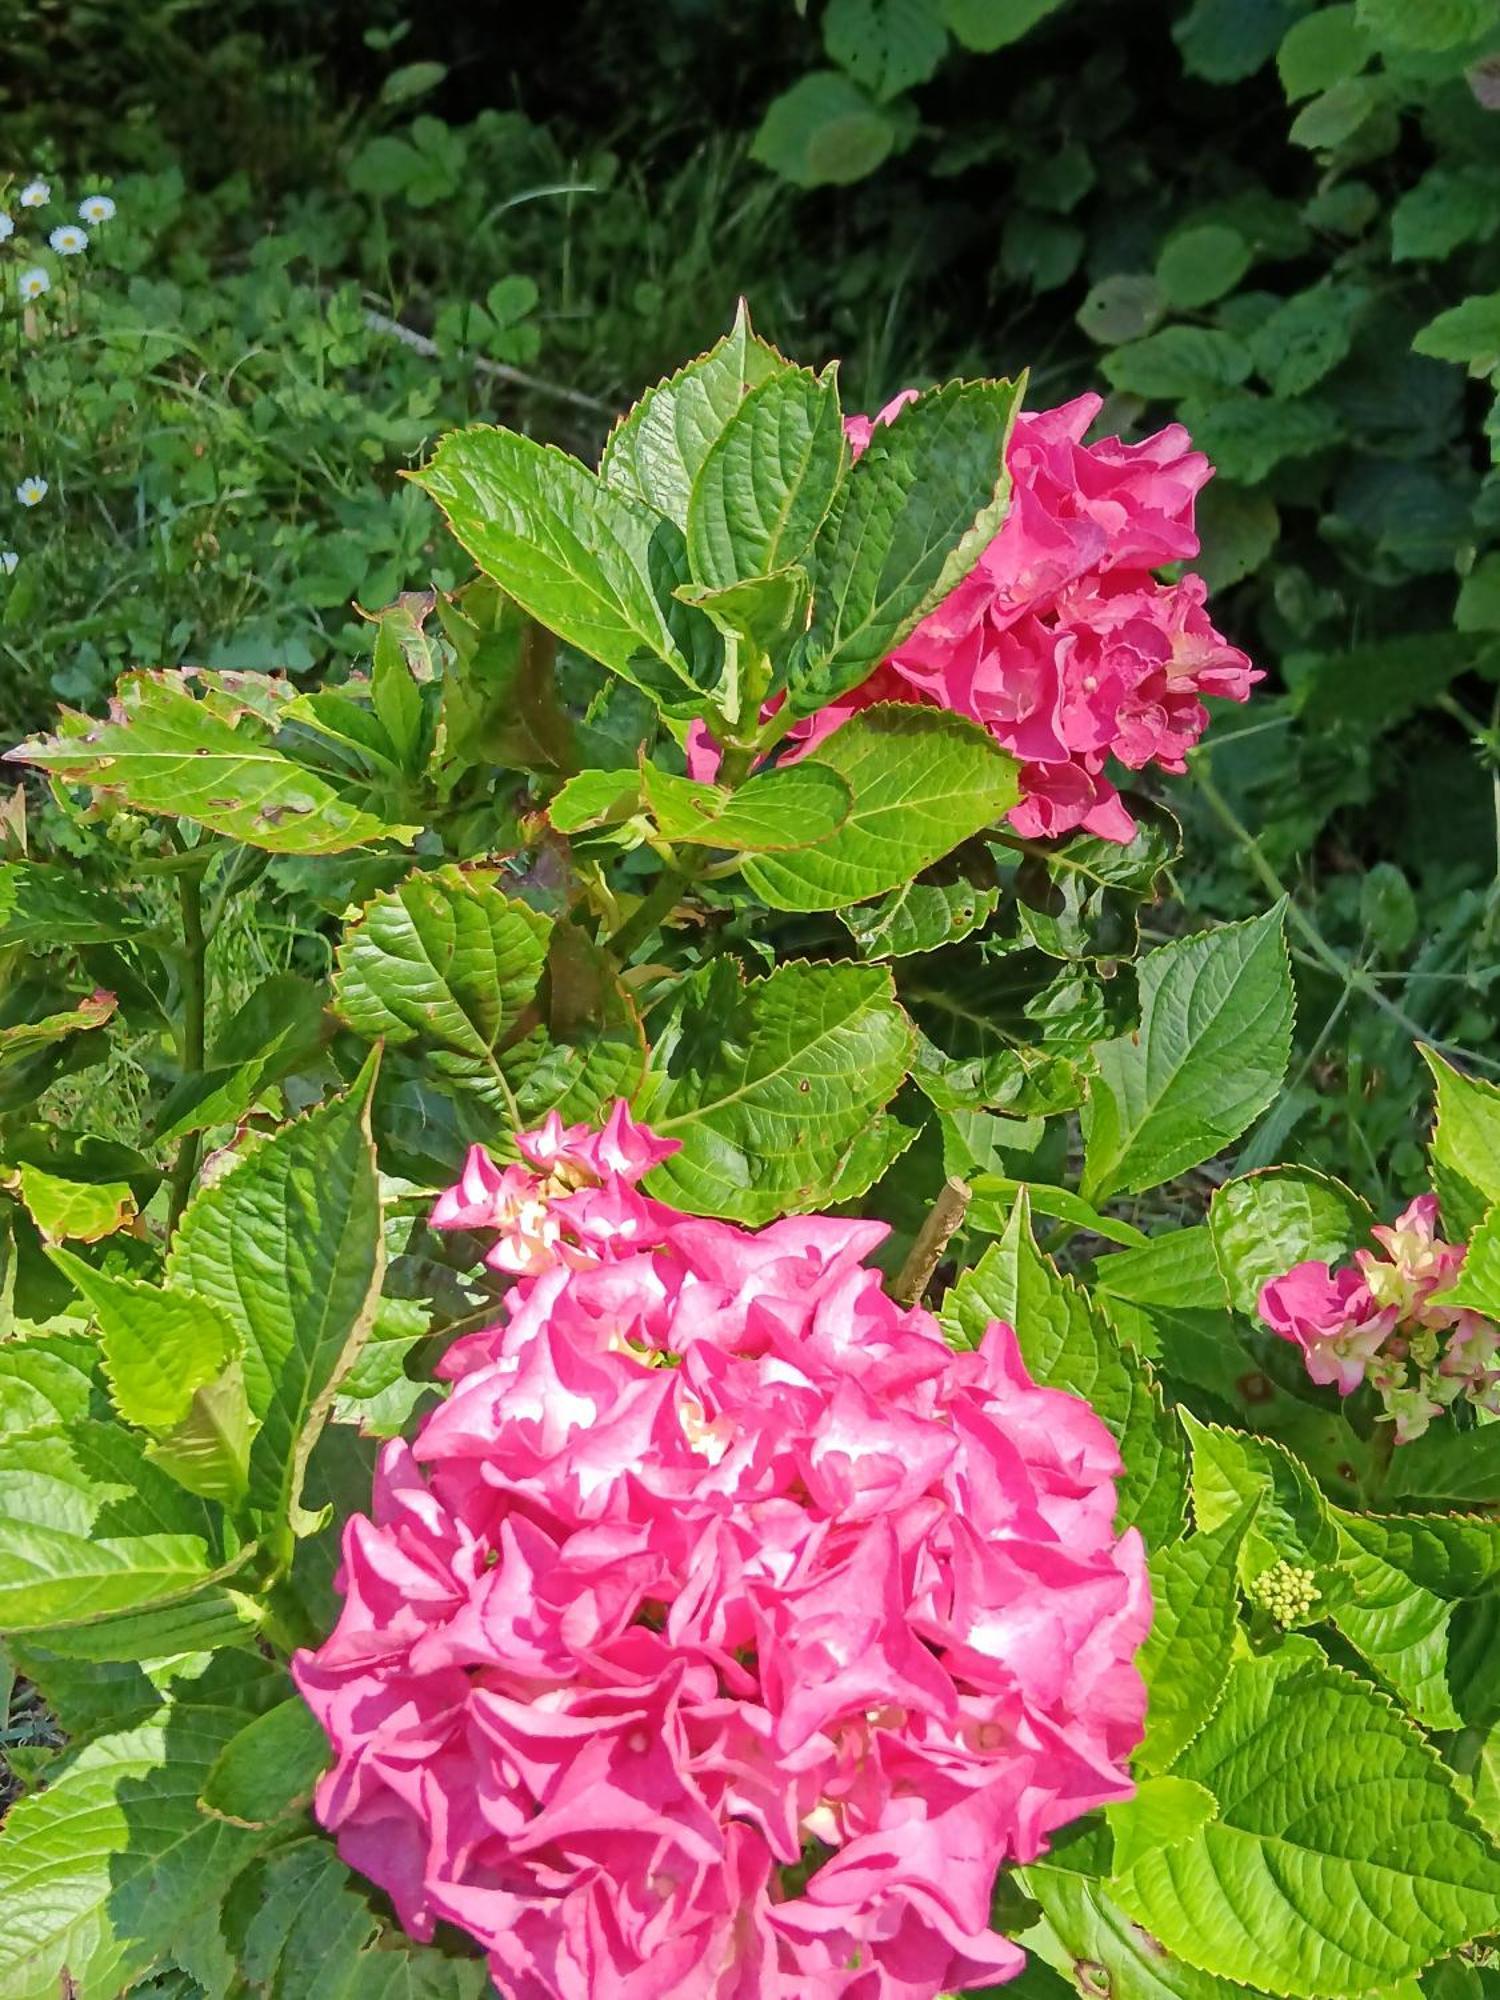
(943, 1220)
(419, 344)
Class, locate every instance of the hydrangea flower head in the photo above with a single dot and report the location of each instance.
(1061, 641)
(1383, 1320)
(725, 1631)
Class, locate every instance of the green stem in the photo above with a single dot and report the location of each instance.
(654, 906)
(194, 984)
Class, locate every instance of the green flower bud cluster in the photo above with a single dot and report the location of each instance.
(1286, 1591)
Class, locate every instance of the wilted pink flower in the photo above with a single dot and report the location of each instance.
(724, 1631)
(1383, 1320)
(1060, 641)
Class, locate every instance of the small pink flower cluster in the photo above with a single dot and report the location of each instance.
(1060, 641)
(581, 1199)
(724, 1631)
(1382, 1320)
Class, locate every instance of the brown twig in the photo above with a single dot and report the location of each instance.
(943, 1220)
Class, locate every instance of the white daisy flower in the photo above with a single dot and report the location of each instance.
(36, 194)
(8, 561)
(68, 240)
(31, 284)
(96, 208)
(7, 227)
(32, 491)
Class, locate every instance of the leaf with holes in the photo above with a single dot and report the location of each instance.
(164, 750)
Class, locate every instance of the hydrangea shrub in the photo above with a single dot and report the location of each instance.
(688, 1400)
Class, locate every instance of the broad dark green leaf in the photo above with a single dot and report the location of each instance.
(267, 1770)
(941, 905)
(922, 781)
(769, 479)
(1209, 1055)
(917, 510)
(287, 1246)
(772, 1085)
(657, 449)
(590, 563)
(47, 907)
(280, 1026)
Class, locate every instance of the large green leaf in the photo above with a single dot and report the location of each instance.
(656, 451)
(1465, 1144)
(445, 959)
(1410, 1577)
(1342, 1859)
(922, 781)
(89, 1529)
(66, 1210)
(1067, 1345)
(310, 1932)
(165, 751)
(287, 1247)
(1195, 1590)
(280, 1025)
(100, 1872)
(1088, 1937)
(769, 479)
(917, 511)
(1265, 1223)
(269, 1767)
(784, 808)
(942, 905)
(1209, 1055)
(1292, 1523)
(771, 1086)
(158, 1347)
(46, 906)
(1478, 1283)
(586, 560)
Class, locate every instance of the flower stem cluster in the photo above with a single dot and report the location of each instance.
(1383, 1320)
(724, 1631)
(1285, 1591)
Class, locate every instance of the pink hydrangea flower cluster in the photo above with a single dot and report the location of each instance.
(580, 1199)
(1382, 1320)
(1061, 641)
(725, 1631)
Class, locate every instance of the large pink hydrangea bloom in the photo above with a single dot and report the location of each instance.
(725, 1631)
(1061, 642)
(1383, 1320)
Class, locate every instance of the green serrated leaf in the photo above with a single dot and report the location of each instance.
(1265, 1223)
(771, 1086)
(945, 903)
(1468, 332)
(1292, 1523)
(1186, 1657)
(924, 500)
(268, 1769)
(1089, 1938)
(163, 750)
(1163, 1810)
(790, 808)
(447, 960)
(48, 908)
(1209, 1055)
(158, 1347)
(1178, 361)
(73, 1211)
(1299, 1885)
(586, 560)
(1066, 1345)
(287, 1246)
(88, 1530)
(769, 479)
(99, 1872)
(886, 45)
(825, 131)
(279, 1026)
(656, 451)
(766, 612)
(922, 781)
(1465, 1148)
